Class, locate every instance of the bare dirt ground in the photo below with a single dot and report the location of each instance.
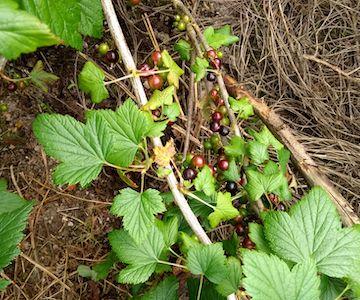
(283, 56)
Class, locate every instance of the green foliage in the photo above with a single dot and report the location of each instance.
(219, 37)
(91, 81)
(4, 284)
(160, 98)
(232, 173)
(41, 78)
(208, 260)
(165, 290)
(233, 277)
(183, 48)
(236, 148)
(174, 70)
(169, 230)
(172, 111)
(224, 210)
(208, 290)
(205, 181)
(312, 229)
(242, 107)
(257, 152)
(99, 271)
(199, 68)
(266, 138)
(21, 32)
(268, 277)
(138, 211)
(257, 235)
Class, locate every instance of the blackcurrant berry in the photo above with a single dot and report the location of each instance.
(189, 174)
(216, 63)
(214, 94)
(198, 161)
(216, 116)
(103, 48)
(231, 187)
(247, 243)
(211, 77)
(12, 87)
(211, 54)
(223, 164)
(155, 82)
(224, 131)
(240, 229)
(112, 56)
(220, 102)
(214, 126)
(156, 57)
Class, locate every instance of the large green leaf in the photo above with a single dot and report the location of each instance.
(233, 277)
(208, 260)
(81, 149)
(224, 210)
(141, 258)
(219, 37)
(165, 290)
(91, 81)
(21, 32)
(138, 211)
(268, 277)
(258, 152)
(12, 225)
(169, 230)
(205, 181)
(312, 229)
(199, 68)
(91, 18)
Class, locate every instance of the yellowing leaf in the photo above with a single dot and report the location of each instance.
(164, 154)
(160, 98)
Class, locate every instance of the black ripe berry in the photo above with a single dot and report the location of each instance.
(214, 126)
(223, 164)
(240, 229)
(231, 187)
(12, 87)
(112, 56)
(247, 243)
(189, 174)
(224, 131)
(211, 77)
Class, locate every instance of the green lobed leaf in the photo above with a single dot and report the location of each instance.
(268, 277)
(86, 272)
(257, 235)
(219, 37)
(232, 173)
(41, 78)
(233, 277)
(160, 98)
(81, 148)
(208, 260)
(21, 32)
(172, 111)
(174, 70)
(169, 230)
(258, 183)
(330, 288)
(266, 137)
(183, 48)
(9, 4)
(199, 68)
(4, 283)
(200, 209)
(205, 181)
(258, 152)
(283, 156)
(242, 107)
(141, 258)
(188, 242)
(236, 148)
(10, 201)
(138, 211)
(91, 81)
(312, 229)
(103, 268)
(154, 128)
(283, 191)
(231, 246)
(12, 224)
(165, 290)
(224, 210)
(91, 18)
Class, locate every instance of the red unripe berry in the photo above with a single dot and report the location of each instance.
(216, 116)
(211, 54)
(214, 94)
(216, 63)
(223, 164)
(155, 82)
(144, 68)
(214, 126)
(156, 113)
(156, 57)
(242, 181)
(238, 219)
(240, 229)
(213, 169)
(198, 161)
(220, 102)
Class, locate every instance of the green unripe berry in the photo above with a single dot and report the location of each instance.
(177, 18)
(207, 145)
(103, 48)
(4, 107)
(186, 19)
(220, 54)
(215, 140)
(181, 26)
(222, 109)
(225, 121)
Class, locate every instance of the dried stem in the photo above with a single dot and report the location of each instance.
(129, 63)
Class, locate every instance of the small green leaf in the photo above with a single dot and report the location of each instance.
(41, 78)
(199, 68)
(138, 211)
(283, 191)
(165, 290)
(232, 245)
(183, 48)
(205, 181)
(174, 70)
(142, 259)
(160, 98)
(224, 210)
(233, 277)
(188, 242)
(232, 173)
(258, 152)
(330, 288)
(208, 260)
(21, 32)
(172, 111)
(91, 81)
(4, 284)
(236, 148)
(208, 291)
(268, 277)
(266, 138)
(103, 268)
(169, 230)
(154, 128)
(219, 37)
(259, 184)
(86, 272)
(242, 107)
(256, 234)
(283, 158)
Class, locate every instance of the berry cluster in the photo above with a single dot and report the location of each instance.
(241, 228)
(155, 81)
(110, 56)
(215, 61)
(180, 22)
